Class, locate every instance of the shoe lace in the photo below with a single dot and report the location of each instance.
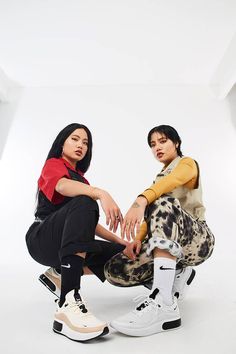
(143, 304)
(77, 306)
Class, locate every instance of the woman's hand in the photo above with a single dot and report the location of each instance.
(132, 249)
(133, 218)
(110, 208)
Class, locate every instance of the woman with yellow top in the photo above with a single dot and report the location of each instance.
(172, 239)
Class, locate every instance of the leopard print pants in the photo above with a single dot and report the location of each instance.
(170, 228)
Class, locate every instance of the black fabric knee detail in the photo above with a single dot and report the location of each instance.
(83, 201)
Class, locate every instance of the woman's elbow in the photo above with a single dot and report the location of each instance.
(60, 187)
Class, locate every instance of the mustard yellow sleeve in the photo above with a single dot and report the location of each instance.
(142, 232)
(185, 171)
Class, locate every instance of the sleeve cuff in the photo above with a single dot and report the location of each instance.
(149, 194)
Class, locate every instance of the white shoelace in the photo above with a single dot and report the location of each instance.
(77, 307)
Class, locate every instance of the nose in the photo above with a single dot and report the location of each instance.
(79, 143)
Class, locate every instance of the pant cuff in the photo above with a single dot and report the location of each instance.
(164, 244)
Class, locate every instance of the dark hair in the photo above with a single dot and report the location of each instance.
(56, 149)
(169, 132)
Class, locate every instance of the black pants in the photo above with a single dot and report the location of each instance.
(70, 230)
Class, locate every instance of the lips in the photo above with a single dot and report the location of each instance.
(160, 154)
(78, 152)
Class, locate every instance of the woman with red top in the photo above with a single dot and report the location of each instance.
(62, 235)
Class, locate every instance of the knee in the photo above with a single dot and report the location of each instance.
(164, 210)
(114, 269)
(108, 272)
(84, 202)
(167, 202)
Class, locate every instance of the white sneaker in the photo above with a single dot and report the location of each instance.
(52, 280)
(182, 282)
(150, 316)
(76, 322)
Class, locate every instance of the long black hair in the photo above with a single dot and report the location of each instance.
(170, 133)
(57, 146)
(56, 149)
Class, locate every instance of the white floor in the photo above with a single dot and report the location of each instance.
(208, 315)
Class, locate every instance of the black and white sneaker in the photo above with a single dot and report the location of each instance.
(151, 316)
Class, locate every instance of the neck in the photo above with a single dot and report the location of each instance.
(71, 162)
(169, 162)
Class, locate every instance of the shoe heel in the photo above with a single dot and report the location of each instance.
(105, 331)
(190, 279)
(47, 282)
(57, 326)
(171, 324)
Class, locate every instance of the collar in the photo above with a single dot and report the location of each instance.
(70, 166)
(171, 164)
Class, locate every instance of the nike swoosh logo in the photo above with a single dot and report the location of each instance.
(66, 265)
(163, 268)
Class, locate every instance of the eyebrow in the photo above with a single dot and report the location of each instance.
(77, 136)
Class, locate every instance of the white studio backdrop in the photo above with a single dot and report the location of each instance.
(119, 118)
(121, 68)
(81, 42)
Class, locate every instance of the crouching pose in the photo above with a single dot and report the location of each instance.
(173, 238)
(62, 235)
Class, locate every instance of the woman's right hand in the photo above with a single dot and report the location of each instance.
(111, 209)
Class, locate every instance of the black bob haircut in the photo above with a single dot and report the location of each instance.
(170, 133)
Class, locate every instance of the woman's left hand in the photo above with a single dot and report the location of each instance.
(133, 218)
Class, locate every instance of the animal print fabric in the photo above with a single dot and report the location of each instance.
(170, 228)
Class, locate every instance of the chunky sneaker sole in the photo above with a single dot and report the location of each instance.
(182, 282)
(62, 328)
(74, 320)
(147, 331)
(52, 281)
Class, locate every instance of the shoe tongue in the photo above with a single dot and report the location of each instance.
(77, 297)
(154, 294)
(73, 296)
